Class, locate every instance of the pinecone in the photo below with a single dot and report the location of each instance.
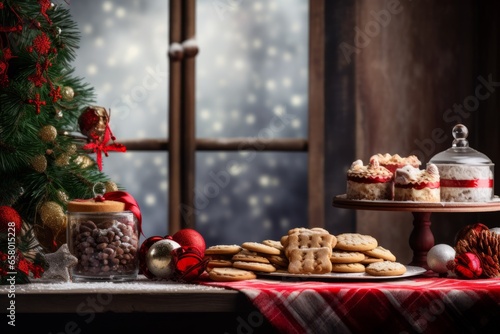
(486, 245)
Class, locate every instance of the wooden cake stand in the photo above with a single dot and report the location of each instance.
(421, 237)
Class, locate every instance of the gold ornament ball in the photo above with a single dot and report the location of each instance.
(62, 159)
(67, 94)
(39, 163)
(48, 133)
(159, 258)
(111, 186)
(52, 216)
(83, 161)
(72, 149)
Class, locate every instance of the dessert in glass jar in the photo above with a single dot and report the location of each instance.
(466, 175)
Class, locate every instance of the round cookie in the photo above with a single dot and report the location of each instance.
(385, 268)
(356, 242)
(278, 260)
(219, 263)
(348, 268)
(381, 253)
(222, 250)
(248, 256)
(339, 256)
(254, 266)
(260, 248)
(368, 259)
(230, 274)
(273, 243)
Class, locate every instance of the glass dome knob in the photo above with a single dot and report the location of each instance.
(460, 134)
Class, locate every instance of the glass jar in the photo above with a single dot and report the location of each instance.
(104, 242)
(466, 175)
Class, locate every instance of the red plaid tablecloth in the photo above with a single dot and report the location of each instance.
(418, 305)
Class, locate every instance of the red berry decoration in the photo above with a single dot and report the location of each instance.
(188, 237)
(10, 220)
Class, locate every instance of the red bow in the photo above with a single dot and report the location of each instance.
(129, 201)
(99, 146)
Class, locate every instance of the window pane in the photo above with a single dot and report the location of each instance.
(123, 56)
(251, 67)
(249, 196)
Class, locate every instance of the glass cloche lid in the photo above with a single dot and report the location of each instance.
(460, 152)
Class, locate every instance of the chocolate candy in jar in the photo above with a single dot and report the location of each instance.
(104, 237)
(466, 175)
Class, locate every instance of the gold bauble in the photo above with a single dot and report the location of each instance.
(48, 133)
(111, 186)
(62, 159)
(83, 161)
(39, 163)
(71, 149)
(67, 94)
(52, 216)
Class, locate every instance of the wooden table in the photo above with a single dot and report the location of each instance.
(145, 304)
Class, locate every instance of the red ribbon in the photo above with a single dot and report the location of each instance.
(99, 146)
(129, 201)
(476, 183)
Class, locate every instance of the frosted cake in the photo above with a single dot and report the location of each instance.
(370, 182)
(413, 184)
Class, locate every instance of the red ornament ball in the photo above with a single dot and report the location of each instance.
(188, 237)
(93, 121)
(468, 265)
(10, 219)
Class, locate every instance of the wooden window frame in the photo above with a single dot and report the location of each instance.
(182, 143)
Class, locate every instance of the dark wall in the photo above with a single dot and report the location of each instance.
(402, 74)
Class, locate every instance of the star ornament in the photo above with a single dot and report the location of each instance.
(59, 264)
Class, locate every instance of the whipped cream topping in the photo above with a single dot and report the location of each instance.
(409, 174)
(372, 170)
(396, 159)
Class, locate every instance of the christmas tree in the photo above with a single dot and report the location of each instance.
(48, 130)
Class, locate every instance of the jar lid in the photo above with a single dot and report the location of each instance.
(460, 152)
(92, 206)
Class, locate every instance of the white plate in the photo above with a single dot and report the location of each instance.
(410, 272)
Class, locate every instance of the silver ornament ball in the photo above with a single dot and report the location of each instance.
(495, 230)
(439, 256)
(159, 258)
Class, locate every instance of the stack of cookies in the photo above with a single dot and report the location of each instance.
(234, 262)
(357, 253)
(303, 251)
